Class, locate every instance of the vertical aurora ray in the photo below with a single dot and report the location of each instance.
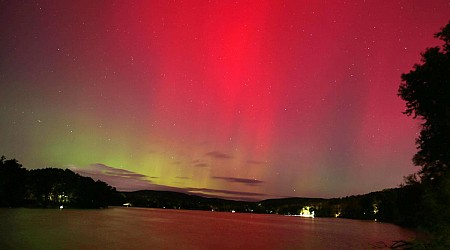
(289, 98)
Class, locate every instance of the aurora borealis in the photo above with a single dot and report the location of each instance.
(237, 99)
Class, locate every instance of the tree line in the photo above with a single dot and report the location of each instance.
(426, 91)
(50, 187)
(400, 206)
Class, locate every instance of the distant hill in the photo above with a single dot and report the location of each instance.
(392, 205)
(175, 200)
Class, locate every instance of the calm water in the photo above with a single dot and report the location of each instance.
(140, 228)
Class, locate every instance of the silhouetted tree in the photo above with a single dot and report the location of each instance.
(51, 187)
(426, 90)
(12, 182)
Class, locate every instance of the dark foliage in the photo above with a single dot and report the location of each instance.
(426, 90)
(50, 187)
(12, 183)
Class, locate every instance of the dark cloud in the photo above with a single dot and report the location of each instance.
(122, 179)
(226, 194)
(125, 180)
(254, 162)
(102, 168)
(221, 191)
(121, 172)
(239, 180)
(218, 155)
(200, 165)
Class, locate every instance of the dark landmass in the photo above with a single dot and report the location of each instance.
(50, 188)
(398, 205)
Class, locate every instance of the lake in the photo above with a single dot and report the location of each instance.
(144, 228)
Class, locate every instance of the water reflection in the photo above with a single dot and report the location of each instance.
(139, 228)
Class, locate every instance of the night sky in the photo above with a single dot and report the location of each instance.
(237, 99)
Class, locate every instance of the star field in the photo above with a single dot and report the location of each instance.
(237, 99)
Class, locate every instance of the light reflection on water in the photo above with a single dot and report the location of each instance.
(141, 228)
